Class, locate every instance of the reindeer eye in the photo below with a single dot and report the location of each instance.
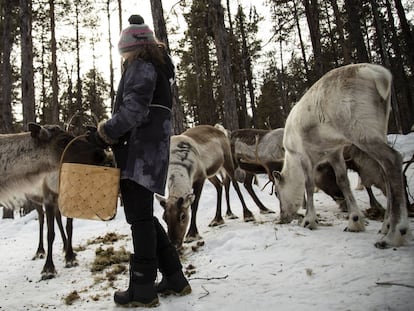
(182, 217)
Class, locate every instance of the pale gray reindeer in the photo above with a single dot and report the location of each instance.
(256, 151)
(348, 106)
(27, 158)
(200, 153)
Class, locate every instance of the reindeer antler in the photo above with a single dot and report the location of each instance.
(67, 125)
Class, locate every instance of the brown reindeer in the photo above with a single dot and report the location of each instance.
(46, 201)
(200, 153)
(27, 158)
(348, 106)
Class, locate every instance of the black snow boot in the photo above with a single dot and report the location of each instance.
(175, 284)
(173, 280)
(141, 291)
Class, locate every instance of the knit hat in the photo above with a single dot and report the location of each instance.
(137, 33)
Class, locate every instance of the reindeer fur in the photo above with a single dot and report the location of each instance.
(348, 106)
(256, 151)
(200, 153)
(29, 163)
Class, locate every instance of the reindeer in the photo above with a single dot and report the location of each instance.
(27, 158)
(46, 201)
(254, 152)
(348, 106)
(258, 151)
(200, 153)
(367, 170)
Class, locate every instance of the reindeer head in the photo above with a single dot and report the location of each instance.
(177, 216)
(290, 198)
(55, 139)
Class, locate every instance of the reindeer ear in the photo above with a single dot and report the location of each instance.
(38, 131)
(161, 200)
(34, 129)
(189, 199)
(277, 177)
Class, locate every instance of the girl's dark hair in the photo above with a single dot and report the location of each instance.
(153, 53)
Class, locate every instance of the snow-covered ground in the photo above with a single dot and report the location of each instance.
(259, 265)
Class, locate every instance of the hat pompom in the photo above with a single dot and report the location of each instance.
(136, 20)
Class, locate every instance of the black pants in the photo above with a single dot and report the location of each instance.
(152, 247)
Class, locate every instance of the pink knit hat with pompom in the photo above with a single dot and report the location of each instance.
(137, 33)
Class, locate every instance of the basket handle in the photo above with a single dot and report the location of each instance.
(64, 153)
(67, 147)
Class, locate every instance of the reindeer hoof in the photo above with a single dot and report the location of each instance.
(48, 275)
(249, 218)
(190, 239)
(355, 223)
(71, 264)
(381, 245)
(231, 216)
(309, 224)
(38, 256)
(374, 213)
(215, 223)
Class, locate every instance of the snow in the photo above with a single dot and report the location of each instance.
(257, 265)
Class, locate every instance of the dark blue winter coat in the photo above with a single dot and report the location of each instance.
(140, 128)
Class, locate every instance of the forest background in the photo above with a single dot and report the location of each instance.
(239, 63)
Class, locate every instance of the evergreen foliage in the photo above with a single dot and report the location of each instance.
(307, 39)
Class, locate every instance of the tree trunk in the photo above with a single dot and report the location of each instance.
(111, 64)
(247, 64)
(216, 18)
(55, 85)
(312, 16)
(386, 61)
(6, 118)
(405, 93)
(161, 33)
(353, 7)
(79, 106)
(28, 96)
(334, 45)
(346, 53)
(302, 45)
(407, 34)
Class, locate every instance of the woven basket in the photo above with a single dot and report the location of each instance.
(88, 191)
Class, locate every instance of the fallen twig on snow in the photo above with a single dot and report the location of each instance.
(394, 283)
(210, 278)
(206, 294)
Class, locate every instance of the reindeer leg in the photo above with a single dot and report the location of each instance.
(229, 168)
(395, 224)
(70, 255)
(356, 218)
(376, 211)
(247, 214)
(58, 217)
(218, 219)
(40, 253)
(229, 212)
(49, 270)
(310, 220)
(192, 234)
(248, 181)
